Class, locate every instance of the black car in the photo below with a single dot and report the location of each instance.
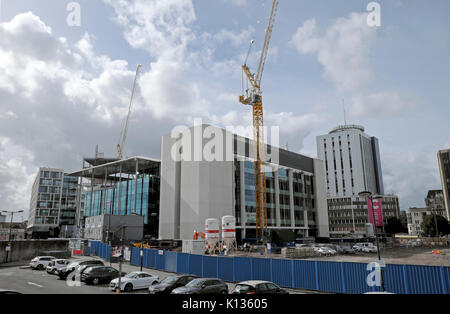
(203, 286)
(100, 274)
(258, 287)
(63, 273)
(170, 283)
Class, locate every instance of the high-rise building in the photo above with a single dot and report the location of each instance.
(435, 202)
(352, 161)
(444, 168)
(53, 203)
(195, 187)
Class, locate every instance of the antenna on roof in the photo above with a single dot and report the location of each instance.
(345, 112)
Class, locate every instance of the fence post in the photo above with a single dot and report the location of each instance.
(317, 274)
(217, 266)
(344, 288)
(234, 272)
(203, 265)
(292, 274)
(271, 270)
(405, 276)
(251, 268)
(443, 280)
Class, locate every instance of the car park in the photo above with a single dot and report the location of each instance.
(56, 264)
(134, 281)
(258, 287)
(170, 283)
(41, 262)
(203, 286)
(100, 274)
(64, 272)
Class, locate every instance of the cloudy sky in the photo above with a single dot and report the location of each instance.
(66, 88)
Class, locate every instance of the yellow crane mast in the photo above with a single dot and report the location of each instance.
(253, 97)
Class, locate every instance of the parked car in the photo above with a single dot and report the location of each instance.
(258, 287)
(203, 286)
(134, 281)
(365, 247)
(64, 272)
(56, 264)
(168, 284)
(41, 262)
(324, 251)
(100, 274)
(347, 250)
(8, 291)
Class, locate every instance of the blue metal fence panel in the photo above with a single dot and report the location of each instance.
(282, 272)
(134, 256)
(311, 275)
(304, 275)
(394, 278)
(445, 279)
(242, 269)
(183, 263)
(210, 266)
(354, 278)
(424, 279)
(329, 277)
(196, 265)
(152, 258)
(225, 269)
(261, 269)
(160, 261)
(171, 262)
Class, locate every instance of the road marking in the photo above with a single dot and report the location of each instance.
(35, 284)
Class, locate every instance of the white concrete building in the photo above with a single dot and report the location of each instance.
(195, 187)
(352, 161)
(415, 217)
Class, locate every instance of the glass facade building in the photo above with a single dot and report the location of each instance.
(53, 201)
(139, 197)
(290, 199)
(121, 188)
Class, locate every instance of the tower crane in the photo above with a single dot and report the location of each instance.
(253, 97)
(123, 134)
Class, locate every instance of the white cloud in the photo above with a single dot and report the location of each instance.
(409, 175)
(380, 105)
(342, 50)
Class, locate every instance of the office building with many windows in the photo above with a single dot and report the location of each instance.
(348, 216)
(53, 203)
(444, 169)
(195, 187)
(435, 203)
(352, 161)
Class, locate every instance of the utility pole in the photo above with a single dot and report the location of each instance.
(369, 196)
(121, 260)
(10, 230)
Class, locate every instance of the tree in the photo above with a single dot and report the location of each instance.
(394, 225)
(429, 225)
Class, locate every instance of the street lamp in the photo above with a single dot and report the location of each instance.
(10, 229)
(368, 195)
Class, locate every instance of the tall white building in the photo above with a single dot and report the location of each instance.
(352, 161)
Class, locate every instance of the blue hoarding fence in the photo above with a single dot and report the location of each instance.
(100, 249)
(338, 277)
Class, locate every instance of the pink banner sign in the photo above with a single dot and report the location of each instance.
(378, 210)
